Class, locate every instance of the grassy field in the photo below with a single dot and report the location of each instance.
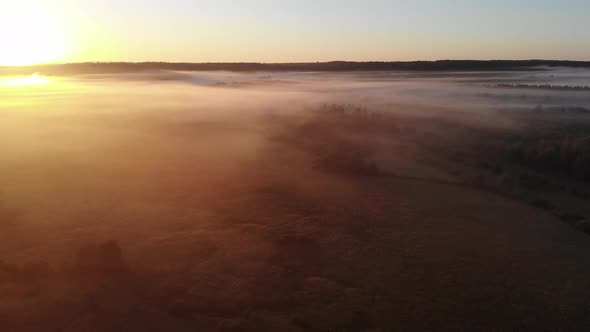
(344, 206)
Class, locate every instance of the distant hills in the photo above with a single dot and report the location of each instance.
(334, 66)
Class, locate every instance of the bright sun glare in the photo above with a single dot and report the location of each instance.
(19, 81)
(29, 35)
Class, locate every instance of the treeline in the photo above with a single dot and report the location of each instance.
(441, 65)
(543, 87)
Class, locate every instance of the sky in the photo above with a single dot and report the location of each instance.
(298, 31)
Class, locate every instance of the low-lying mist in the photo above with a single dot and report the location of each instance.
(292, 201)
(107, 156)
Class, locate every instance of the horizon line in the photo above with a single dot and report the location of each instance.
(293, 62)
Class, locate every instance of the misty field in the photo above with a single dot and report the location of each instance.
(295, 201)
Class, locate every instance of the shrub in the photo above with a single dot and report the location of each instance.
(569, 156)
(99, 259)
(542, 204)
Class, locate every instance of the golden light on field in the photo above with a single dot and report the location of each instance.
(29, 36)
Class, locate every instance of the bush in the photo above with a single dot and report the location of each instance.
(583, 226)
(570, 217)
(542, 204)
(99, 259)
(569, 156)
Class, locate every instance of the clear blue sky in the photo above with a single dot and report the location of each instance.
(320, 30)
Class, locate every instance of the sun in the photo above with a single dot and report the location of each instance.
(29, 36)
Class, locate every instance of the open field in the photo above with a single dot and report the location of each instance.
(295, 201)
